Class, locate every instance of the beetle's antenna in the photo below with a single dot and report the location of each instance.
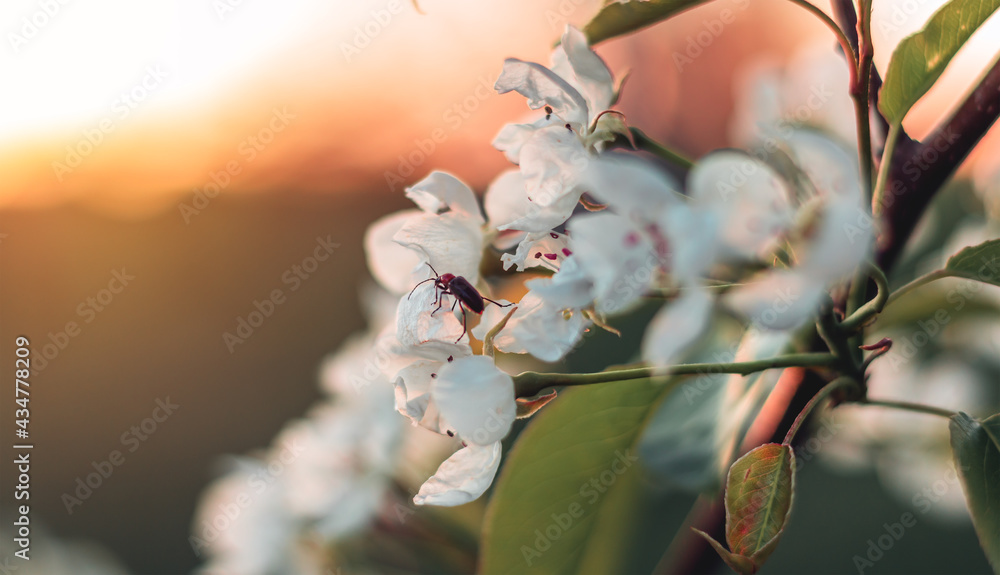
(432, 269)
(418, 285)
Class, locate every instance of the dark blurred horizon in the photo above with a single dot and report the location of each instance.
(161, 338)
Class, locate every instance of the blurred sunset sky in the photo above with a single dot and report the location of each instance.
(305, 120)
(181, 88)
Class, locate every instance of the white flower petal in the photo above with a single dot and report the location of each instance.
(782, 299)
(843, 241)
(551, 163)
(450, 242)
(462, 478)
(542, 87)
(541, 329)
(540, 219)
(752, 201)
(490, 317)
(512, 137)
(832, 169)
(631, 186)
(506, 199)
(693, 242)
(583, 69)
(420, 321)
(569, 288)
(440, 191)
(619, 259)
(391, 264)
(476, 398)
(544, 249)
(676, 326)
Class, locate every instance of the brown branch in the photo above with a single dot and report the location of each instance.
(920, 168)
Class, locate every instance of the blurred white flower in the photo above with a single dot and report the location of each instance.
(243, 523)
(341, 473)
(839, 240)
(910, 451)
(51, 555)
(811, 90)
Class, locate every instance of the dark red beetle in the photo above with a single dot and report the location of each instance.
(467, 297)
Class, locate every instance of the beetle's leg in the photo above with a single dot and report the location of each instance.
(496, 303)
(438, 300)
(464, 327)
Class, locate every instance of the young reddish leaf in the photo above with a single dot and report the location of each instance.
(758, 499)
(737, 563)
(526, 407)
(759, 494)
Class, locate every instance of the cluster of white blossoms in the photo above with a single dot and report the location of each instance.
(803, 228)
(775, 238)
(324, 477)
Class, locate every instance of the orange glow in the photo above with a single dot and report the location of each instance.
(155, 99)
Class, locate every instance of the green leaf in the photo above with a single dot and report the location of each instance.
(920, 59)
(977, 262)
(759, 495)
(976, 448)
(565, 496)
(695, 434)
(619, 18)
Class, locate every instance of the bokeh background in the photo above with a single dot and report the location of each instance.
(206, 147)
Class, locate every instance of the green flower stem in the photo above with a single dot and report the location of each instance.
(874, 307)
(920, 281)
(881, 183)
(647, 144)
(861, 92)
(530, 383)
(824, 393)
(848, 356)
(916, 407)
